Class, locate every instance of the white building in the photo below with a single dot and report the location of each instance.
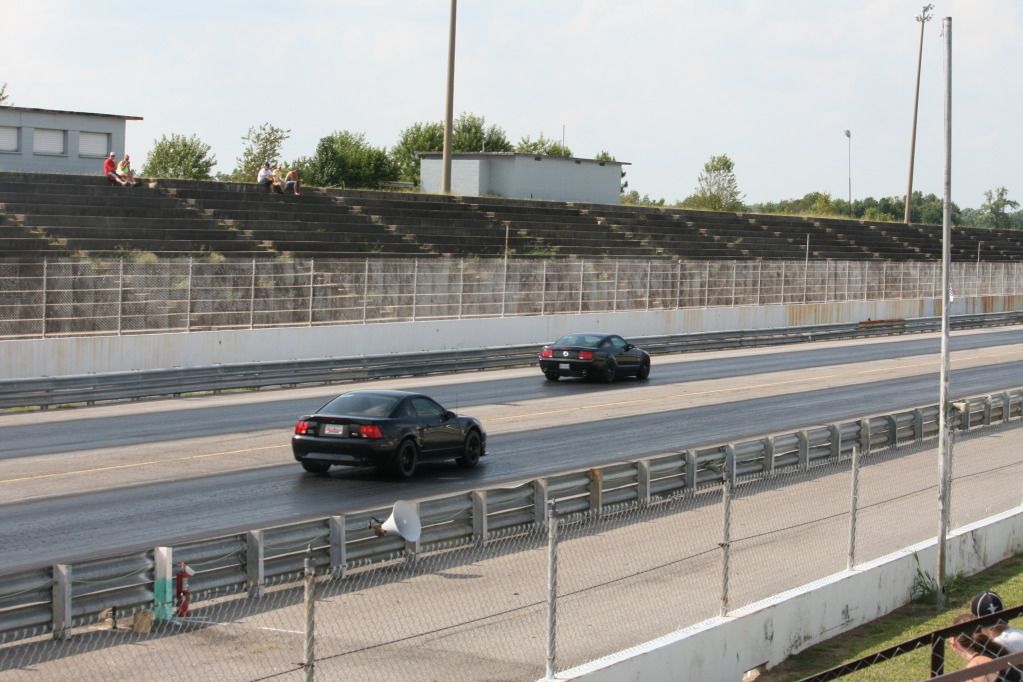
(52, 141)
(525, 176)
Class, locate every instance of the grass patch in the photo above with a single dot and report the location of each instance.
(915, 619)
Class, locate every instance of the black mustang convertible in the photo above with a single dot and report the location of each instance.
(391, 430)
(595, 355)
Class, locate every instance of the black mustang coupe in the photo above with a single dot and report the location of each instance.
(391, 430)
(596, 355)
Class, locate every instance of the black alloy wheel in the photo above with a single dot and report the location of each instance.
(471, 450)
(405, 459)
(644, 370)
(610, 372)
(316, 467)
(551, 376)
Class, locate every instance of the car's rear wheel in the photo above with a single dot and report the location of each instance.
(644, 370)
(316, 467)
(471, 450)
(610, 372)
(404, 460)
(552, 376)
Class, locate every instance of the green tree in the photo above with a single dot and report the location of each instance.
(716, 189)
(345, 159)
(542, 146)
(634, 199)
(994, 211)
(262, 144)
(4, 97)
(178, 156)
(469, 133)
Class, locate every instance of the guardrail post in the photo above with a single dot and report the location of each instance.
(1003, 400)
(643, 482)
(338, 546)
(769, 456)
(836, 441)
(726, 527)
(163, 583)
(966, 418)
(540, 502)
(254, 563)
(987, 410)
(918, 425)
(865, 436)
(689, 460)
(853, 504)
(804, 449)
(596, 490)
(61, 604)
(893, 430)
(480, 527)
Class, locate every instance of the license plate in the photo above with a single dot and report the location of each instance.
(333, 429)
(564, 365)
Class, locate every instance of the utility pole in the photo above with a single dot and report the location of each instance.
(923, 18)
(445, 171)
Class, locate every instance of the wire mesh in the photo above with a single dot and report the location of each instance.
(82, 297)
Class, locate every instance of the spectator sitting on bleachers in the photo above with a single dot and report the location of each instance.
(110, 170)
(292, 182)
(125, 172)
(266, 177)
(985, 604)
(278, 179)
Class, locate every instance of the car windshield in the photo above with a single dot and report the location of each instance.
(361, 405)
(586, 340)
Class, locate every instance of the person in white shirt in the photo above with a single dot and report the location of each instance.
(265, 178)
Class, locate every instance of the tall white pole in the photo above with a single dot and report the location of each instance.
(923, 18)
(445, 172)
(944, 462)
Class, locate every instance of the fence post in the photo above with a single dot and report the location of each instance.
(853, 503)
(163, 583)
(884, 281)
(61, 604)
(806, 273)
(338, 546)
(252, 296)
(480, 527)
(866, 268)
(726, 530)
(706, 285)
(582, 271)
(415, 287)
(827, 276)
(45, 283)
(312, 272)
(543, 290)
(614, 307)
(309, 645)
(120, 292)
(254, 563)
(188, 311)
(461, 284)
(783, 282)
(734, 266)
(504, 285)
(760, 271)
(678, 283)
(649, 266)
(365, 289)
(552, 590)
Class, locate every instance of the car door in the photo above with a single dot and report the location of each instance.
(627, 358)
(438, 435)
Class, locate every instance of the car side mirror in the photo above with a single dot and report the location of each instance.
(449, 415)
(629, 346)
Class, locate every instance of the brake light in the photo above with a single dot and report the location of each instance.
(370, 431)
(302, 427)
(546, 353)
(585, 355)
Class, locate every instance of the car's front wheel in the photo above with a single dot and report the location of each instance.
(644, 370)
(316, 467)
(404, 460)
(471, 450)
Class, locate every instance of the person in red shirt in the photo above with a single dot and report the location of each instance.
(110, 170)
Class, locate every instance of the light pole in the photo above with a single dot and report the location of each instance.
(848, 136)
(923, 18)
(445, 170)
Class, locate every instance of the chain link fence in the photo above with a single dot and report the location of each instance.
(81, 297)
(528, 600)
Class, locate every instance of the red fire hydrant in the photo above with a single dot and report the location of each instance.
(182, 597)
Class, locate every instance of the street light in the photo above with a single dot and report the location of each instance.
(923, 18)
(848, 136)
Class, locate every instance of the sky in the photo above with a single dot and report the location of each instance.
(661, 84)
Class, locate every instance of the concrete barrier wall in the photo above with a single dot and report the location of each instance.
(34, 358)
(771, 630)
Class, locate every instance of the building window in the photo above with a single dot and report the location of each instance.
(8, 139)
(93, 144)
(48, 141)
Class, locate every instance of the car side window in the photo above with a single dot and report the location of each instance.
(425, 407)
(406, 410)
(618, 342)
(606, 343)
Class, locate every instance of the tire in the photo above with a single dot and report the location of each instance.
(552, 376)
(404, 460)
(471, 450)
(644, 370)
(610, 372)
(316, 467)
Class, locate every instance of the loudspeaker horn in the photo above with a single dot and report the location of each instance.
(403, 521)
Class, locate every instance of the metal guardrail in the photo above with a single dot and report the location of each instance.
(37, 600)
(89, 389)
